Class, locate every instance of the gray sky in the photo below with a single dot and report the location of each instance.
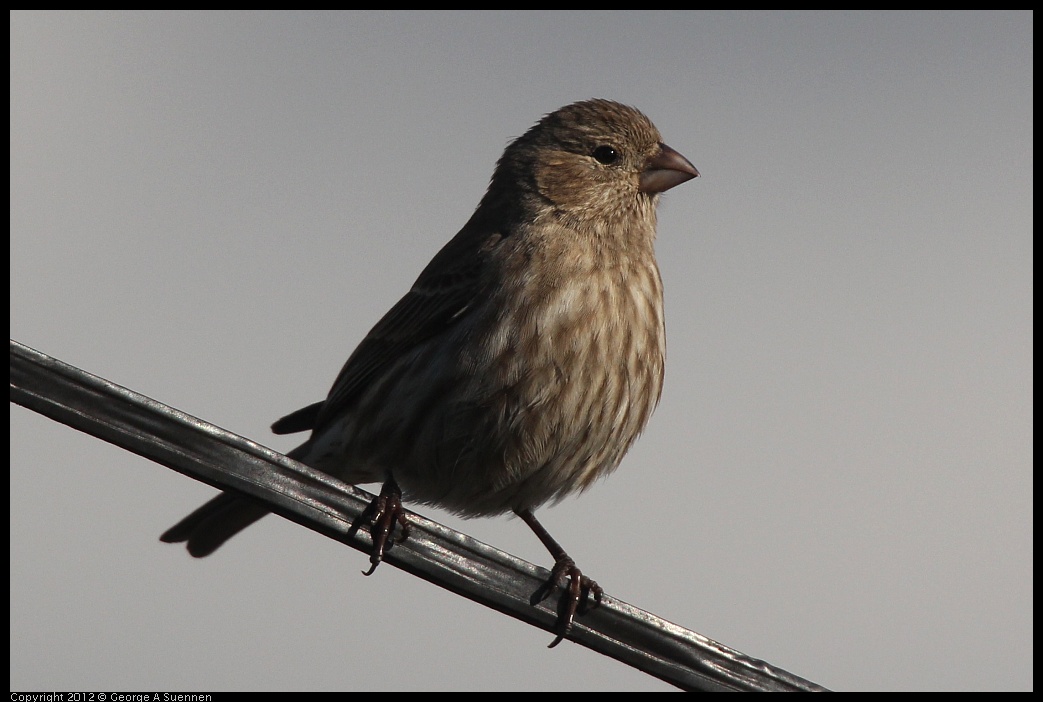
(213, 209)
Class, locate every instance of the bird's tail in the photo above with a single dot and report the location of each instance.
(206, 529)
(214, 523)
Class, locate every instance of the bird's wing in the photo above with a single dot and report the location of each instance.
(438, 299)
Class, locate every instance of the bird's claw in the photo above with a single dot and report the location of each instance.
(574, 600)
(387, 511)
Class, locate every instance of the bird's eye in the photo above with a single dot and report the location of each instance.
(606, 154)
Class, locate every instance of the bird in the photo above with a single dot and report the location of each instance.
(523, 362)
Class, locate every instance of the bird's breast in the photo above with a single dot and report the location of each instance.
(572, 371)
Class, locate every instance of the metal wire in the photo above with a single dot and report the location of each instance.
(433, 552)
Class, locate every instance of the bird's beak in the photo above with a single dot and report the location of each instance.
(664, 170)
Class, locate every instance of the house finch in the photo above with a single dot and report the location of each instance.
(526, 358)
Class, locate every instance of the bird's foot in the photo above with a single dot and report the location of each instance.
(578, 595)
(386, 511)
